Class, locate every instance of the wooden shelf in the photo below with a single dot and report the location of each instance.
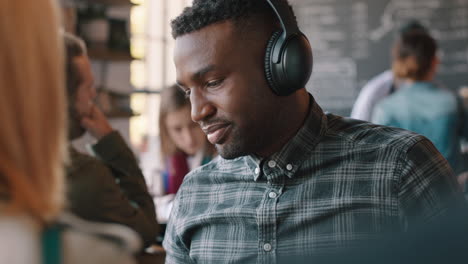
(111, 2)
(100, 51)
(114, 104)
(146, 91)
(112, 93)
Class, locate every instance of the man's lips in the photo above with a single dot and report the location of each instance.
(216, 132)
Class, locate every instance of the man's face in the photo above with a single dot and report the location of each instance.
(86, 92)
(224, 74)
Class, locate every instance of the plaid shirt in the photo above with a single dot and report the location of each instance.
(337, 181)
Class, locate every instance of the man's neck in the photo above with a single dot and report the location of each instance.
(289, 122)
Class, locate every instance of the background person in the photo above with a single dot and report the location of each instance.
(109, 187)
(381, 85)
(33, 149)
(183, 144)
(420, 105)
(182, 147)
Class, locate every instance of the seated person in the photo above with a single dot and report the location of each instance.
(420, 105)
(111, 187)
(183, 146)
(291, 179)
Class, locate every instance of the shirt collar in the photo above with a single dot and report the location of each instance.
(291, 156)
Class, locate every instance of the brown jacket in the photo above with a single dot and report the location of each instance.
(111, 188)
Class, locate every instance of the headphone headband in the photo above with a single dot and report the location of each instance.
(288, 56)
(281, 8)
(287, 24)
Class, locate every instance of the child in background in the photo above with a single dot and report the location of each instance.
(183, 144)
(182, 147)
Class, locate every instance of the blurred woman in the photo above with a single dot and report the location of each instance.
(181, 147)
(184, 145)
(420, 105)
(32, 144)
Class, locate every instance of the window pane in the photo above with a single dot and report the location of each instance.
(138, 47)
(138, 74)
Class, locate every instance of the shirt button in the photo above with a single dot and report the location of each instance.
(272, 195)
(267, 247)
(271, 164)
(257, 170)
(289, 167)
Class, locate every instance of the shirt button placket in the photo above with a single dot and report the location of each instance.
(269, 223)
(272, 164)
(267, 247)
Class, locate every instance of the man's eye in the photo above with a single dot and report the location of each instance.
(214, 83)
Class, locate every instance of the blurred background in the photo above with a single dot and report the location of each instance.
(130, 44)
(131, 47)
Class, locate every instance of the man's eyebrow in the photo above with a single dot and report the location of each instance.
(203, 71)
(198, 74)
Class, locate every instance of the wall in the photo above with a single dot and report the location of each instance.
(351, 42)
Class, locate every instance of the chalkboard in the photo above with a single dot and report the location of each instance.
(351, 41)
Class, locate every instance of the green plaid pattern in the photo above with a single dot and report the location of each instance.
(337, 181)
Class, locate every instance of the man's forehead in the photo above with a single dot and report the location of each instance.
(203, 46)
(218, 33)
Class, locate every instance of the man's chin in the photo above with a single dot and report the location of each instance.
(230, 151)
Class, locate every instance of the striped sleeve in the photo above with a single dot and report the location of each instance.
(427, 186)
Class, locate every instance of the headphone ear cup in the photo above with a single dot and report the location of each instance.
(269, 62)
(296, 65)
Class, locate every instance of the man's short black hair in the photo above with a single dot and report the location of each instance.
(203, 13)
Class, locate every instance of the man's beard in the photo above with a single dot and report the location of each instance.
(230, 151)
(236, 146)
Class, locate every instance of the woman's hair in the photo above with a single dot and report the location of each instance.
(172, 99)
(413, 55)
(32, 109)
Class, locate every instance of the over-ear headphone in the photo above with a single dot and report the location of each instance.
(288, 58)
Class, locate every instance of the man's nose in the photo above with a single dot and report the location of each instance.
(201, 106)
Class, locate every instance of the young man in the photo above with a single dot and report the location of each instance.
(421, 105)
(382, 85)
(291, 180)
(110, 188)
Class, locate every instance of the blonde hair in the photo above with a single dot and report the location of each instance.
(172, 100)
(32, 108)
